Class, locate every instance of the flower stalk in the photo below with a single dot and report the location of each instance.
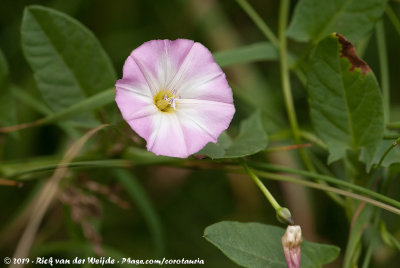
(283, 214)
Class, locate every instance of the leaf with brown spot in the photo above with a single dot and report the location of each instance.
(349, 52)
(345, 100)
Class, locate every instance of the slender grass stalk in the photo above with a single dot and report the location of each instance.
(259, 22)
(45, 198)
(78, 164)
(384, 69)
(351, 186)
(393, 18)
(323, 187)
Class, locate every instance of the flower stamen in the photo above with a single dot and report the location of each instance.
(165, 100)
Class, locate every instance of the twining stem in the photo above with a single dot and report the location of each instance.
(319, 177)
(257, 167)
(376, 203)
(384, 69)
(283, 214)
(283, 18)
(283, 13)
(259, 22)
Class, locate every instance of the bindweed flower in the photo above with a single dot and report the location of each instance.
(175, 96)
(291, 243)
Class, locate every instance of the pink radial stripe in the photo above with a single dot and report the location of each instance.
(139, 91)
(159, 60)
(203, 98)
(212, 88)
(208, 117)
(133, 77)
(199, 69)
(131, 105)
(167, 138)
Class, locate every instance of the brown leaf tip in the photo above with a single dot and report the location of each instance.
(348, 51)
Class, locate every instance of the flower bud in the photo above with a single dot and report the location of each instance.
(291, 242)
(283, 215)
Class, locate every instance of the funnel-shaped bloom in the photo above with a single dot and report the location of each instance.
(175, 96)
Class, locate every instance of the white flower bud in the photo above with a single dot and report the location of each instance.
(291, 242)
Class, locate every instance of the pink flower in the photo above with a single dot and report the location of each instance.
(175, 96)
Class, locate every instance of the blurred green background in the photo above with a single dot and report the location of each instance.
(185, 201)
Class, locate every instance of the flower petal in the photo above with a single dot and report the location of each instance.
(204, 104)
(159, 60)
(167, 137)
(199, 77)
(135, 108)
(203, 121)
(184, 132)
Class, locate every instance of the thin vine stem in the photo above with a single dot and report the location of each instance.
(325, 178)
(283, 214)
(384, 69)
(261, 186)
(285, 79)
(327, 188)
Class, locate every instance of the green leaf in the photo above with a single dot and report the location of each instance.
(354, 240)
(314, 19)
(391, 158)
(251, 53)
(84, 106)
(69, 63)
(259, 245)
(345, 99)
(250, 140)
(8, 114)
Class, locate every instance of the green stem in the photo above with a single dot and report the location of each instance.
(393, 125)
(283, 13)
(282, 213)
(79, 164)
(379, 204)
(269, 167)
(393, 18)
(314, 139)
(384, 69)
(283, 18)
(39, 107)
(259, 22)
